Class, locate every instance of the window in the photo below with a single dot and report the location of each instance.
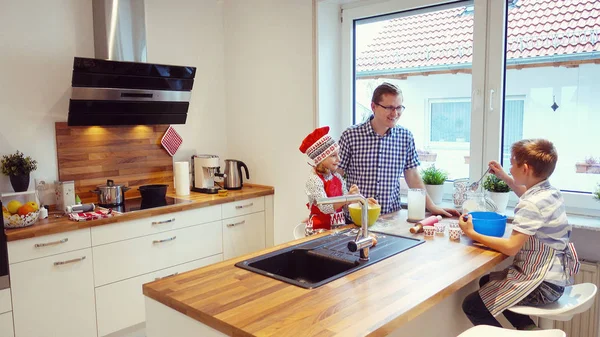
(418, 52)
(552, 59)
(477, 81)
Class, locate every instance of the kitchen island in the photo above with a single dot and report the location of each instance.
(387, 298)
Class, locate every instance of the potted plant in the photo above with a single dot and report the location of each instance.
(596, 193)
(434, 179)
(18, 167)
(497, 191)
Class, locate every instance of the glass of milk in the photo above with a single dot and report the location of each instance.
(416, 204)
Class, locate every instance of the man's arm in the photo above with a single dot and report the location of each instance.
(413, 180)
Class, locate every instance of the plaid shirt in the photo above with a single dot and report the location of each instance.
(375, 163)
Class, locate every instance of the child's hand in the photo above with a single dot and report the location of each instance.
(372, 201)
(353, 190)
(497, 170)
(465, 221)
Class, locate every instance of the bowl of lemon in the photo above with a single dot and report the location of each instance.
(373, 213)
(17, 214)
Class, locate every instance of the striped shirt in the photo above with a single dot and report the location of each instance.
(375, 163)
(541, 212)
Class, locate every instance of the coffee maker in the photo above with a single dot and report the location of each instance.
(205, 167)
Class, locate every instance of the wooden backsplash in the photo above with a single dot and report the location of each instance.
(129, 155)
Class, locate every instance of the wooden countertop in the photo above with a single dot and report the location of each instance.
(53, 225)
(373, 301)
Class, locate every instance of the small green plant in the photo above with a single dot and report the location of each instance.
(17, 164)
(495, 184)
(597, 193)
(433, 176)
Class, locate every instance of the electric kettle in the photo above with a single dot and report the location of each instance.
(233, 174)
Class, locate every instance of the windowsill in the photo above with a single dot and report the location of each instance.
(578, 221)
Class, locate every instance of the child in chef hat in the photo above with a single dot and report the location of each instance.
(324, 181)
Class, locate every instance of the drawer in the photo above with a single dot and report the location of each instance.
(243, 235)
(29, 249)
(6, 325)
(243, 207)
(129, 258)
(5, 301)
(156, 224)
(121, 305)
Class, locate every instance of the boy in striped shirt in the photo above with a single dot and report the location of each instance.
(544, 260)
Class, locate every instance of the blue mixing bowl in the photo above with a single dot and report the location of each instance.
(489, 223)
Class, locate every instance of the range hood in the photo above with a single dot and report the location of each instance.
(118, 87)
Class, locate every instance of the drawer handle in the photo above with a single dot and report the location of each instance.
(244, 206)
(60, 263)
(38, 245)
(160, 278)
(164, 240)
(163, 221)
(236, 224)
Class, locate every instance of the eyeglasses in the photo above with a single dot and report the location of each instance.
(393, 108)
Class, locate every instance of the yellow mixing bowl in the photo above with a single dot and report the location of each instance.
(355, 211)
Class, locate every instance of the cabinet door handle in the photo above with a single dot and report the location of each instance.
(59, 263)
(38, 245)
(160, 278)
(244, 206)
(164, 240)
(163, 221)
(236, 224)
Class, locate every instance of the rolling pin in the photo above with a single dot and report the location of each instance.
(430, 221)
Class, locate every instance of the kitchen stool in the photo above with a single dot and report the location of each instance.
(299, 232)
(576, 299)
(492, 331)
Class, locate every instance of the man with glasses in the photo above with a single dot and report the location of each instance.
(376, 153)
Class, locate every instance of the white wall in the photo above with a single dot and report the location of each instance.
(190, 33)
(36, 66)
(329, 67)
(270, 98)
(38, 40)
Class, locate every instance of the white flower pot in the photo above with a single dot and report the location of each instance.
(435, 192)
(500, 199)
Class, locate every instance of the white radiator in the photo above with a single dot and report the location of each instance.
(584, 324)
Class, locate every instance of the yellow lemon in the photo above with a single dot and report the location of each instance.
(33, 205)
(13, 206)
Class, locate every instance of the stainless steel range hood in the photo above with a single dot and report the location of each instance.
(117, 87)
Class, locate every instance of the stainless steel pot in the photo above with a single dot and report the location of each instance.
(110, 194)
(233, 174)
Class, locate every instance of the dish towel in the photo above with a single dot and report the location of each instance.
(171, 141)
(87, 216)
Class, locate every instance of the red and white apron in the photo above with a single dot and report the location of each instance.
(319, 220)
(531, 264)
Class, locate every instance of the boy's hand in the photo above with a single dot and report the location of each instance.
(353, 190)
(372, 201)
(497, 170)
(465, 222)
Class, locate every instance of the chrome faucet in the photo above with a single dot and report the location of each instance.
(363, 241)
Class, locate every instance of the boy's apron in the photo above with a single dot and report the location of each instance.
(531, 264)
(320, 220)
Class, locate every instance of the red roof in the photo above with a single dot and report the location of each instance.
(536, 28)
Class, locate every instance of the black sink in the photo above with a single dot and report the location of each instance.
(314, 263)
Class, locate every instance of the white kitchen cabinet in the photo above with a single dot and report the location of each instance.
(243, 235)
(5, 301)
(33, 248)
(54, 296)
(6, 325)
(129, 258)
(242, 207)
(120, 305)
